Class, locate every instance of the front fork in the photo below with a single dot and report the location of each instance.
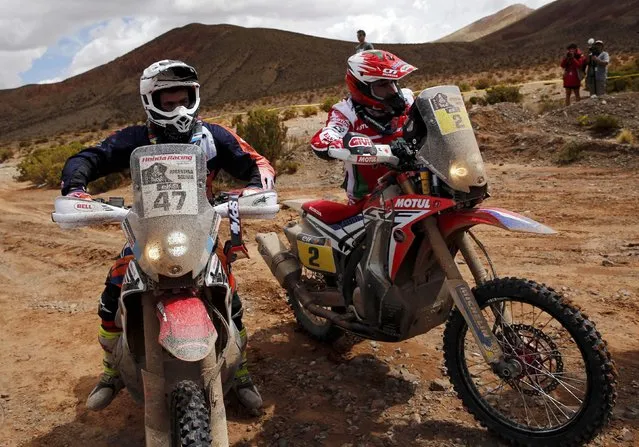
(465, 300)
(500, 311)
(156, 415)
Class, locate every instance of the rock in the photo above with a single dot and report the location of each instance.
(4, 396)
(607, 263)
(374, 345)
(439, 385)
(406, 375)
(416, 418)
(626, 435)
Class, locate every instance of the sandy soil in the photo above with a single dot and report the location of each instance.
(315, 395)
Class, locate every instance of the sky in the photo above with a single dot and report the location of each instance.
(44, 41)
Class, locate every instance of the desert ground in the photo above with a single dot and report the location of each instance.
(374, 394)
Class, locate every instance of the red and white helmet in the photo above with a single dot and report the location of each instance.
(178, 123)
(372, 77)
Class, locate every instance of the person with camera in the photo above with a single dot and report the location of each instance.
(572, 64)
(597, 69)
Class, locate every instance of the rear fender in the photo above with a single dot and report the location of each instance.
(186, 330)
(449, 223)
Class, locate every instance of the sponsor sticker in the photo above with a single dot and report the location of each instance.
(366, 159)
(450, 113)
(402, 202)
(169, 184)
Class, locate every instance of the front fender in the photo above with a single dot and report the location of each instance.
(186, 330)
(449, 223)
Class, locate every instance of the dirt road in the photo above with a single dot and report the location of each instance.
(376, 394)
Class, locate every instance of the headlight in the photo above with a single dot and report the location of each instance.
(153, 251)
(177, 244)
(457, 171)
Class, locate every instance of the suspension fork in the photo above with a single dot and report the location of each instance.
(467, 248)
(462, 295)
(156, 415)
(464, 299)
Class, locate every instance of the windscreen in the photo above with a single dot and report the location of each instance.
(171, 222)
(450, 149)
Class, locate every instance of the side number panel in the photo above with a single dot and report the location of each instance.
(316, 253)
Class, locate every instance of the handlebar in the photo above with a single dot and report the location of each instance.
(72, 212)
(379, 154)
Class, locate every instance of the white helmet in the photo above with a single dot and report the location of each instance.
(178, 123)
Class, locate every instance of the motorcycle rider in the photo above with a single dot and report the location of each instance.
(376, 107)
(171, 100)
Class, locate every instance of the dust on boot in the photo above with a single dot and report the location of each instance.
(110, 382)
(245, 389)
(108, 335)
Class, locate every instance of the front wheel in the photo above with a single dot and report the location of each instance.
(565, 391)
(189, 416)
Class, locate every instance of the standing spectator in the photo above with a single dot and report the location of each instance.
(363, 45)
(572, 64)
(597, 69)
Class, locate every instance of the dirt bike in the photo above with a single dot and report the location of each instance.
(180, 348)
(526, 363)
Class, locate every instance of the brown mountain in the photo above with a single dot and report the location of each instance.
(489, 24)
(238, 63)
(615, 22)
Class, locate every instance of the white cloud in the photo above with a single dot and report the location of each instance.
(15, 62)
(50, 81)
(114, 39)
(38, 24)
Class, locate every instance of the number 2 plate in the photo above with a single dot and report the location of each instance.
(316, 257)
(450, 113)
(169, 184)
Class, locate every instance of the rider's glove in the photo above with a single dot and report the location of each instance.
(402, 150)
(268, 181)
(79, 193)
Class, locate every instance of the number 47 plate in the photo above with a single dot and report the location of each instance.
(169, 184)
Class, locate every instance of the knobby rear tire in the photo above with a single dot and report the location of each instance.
(325, 332)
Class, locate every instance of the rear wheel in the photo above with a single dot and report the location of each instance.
(565, 390)
(190, 421)
(319, 328)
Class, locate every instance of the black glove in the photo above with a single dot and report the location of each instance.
(402, 150)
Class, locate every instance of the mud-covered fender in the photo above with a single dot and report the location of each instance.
(186, 329)
(449, 223)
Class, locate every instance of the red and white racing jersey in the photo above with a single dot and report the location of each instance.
(359, 180)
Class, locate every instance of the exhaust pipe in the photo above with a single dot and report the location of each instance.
(283, 264)
(287, 269)
(306, 299)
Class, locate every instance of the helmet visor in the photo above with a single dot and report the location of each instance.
(170, 99)
(384, 89)
(177, 73)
